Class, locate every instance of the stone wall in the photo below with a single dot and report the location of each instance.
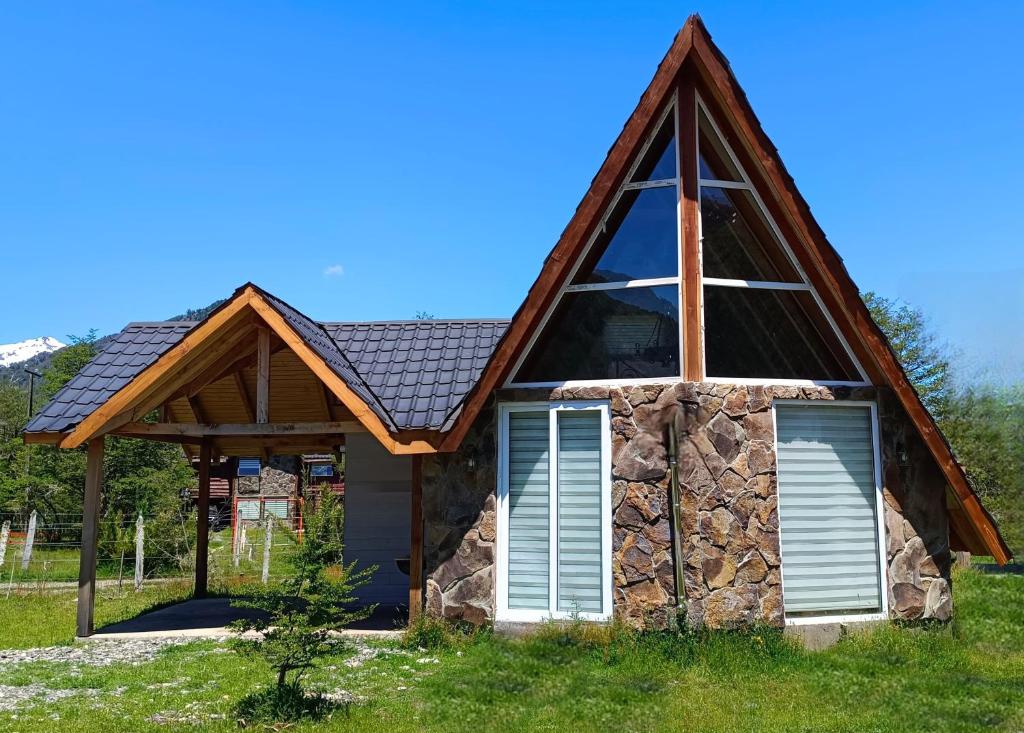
(459, 526)
(916, 519)
(278, 478)
(729, 498)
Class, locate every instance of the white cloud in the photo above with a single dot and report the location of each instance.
(334, 271)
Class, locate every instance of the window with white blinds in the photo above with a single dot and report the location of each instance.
(529, 509)
(828, 509)
(554, 511)
(579, 511)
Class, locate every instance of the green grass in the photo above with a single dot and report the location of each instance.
(50, 564)
(968, 676)
(31, 619)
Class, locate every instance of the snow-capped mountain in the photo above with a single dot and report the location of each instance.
(25, 350)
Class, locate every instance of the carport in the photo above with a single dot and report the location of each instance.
(254, 378)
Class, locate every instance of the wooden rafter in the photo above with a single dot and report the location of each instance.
(325, 402)
(262, 375)
(197, 408)
(243, 396)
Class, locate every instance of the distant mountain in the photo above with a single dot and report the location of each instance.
(25, 350)
(14, 370)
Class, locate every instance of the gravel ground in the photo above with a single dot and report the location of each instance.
(13, 698)
(95, 653)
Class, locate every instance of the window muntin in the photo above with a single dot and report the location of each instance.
(829, 509)
(554, 511)
(619, 334)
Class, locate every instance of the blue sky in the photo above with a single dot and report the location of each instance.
(366, 161)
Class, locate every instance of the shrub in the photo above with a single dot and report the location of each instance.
(301, 612)
(430, 632)
(281, 703)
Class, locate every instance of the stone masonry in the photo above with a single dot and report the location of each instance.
(280, 477)
(729, 504)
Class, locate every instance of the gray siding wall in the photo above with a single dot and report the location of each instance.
(377, 493)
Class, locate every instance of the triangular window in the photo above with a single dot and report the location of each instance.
(715, 161)
(619, 316)
(659, 162)
(761, 317)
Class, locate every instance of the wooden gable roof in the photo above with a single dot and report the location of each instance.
(694, 63)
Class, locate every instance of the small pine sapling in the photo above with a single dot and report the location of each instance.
(303, 612)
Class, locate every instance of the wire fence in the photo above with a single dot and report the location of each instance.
(43, 553)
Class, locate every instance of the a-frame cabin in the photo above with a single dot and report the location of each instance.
(691, 413)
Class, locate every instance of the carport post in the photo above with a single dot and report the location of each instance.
(203, 518)
(90, 521)
(416, 540)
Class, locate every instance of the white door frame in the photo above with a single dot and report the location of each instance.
(502, 612)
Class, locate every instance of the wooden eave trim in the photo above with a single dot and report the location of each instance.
(359, 409)
(844, 298)
(149, 377)
(43, 438)
(574, 238)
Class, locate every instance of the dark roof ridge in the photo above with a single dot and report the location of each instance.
(136, 324)
(385, 412)
(411, 321)
(406, 322)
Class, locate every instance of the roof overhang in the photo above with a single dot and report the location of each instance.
(694, 59)
(217, 337)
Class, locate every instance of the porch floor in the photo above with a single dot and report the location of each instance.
(209, 617)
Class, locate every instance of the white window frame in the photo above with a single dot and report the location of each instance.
(804, 285)
(651, 282)
(883, 577)
(744, 185)
(502, 611)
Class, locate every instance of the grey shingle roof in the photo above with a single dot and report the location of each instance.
(132, 350)
(413, 374)
(420, 370)
(317, 338)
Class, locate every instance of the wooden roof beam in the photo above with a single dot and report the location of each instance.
(201, 430)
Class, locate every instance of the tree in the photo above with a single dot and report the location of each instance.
(66, 363)
(984, 424)
(301, 612)
(923, 357)
(139, 475)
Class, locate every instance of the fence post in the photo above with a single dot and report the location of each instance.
(140, 536)
(4, 534)
(267, 539)
(30, 538)
(236, 546)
